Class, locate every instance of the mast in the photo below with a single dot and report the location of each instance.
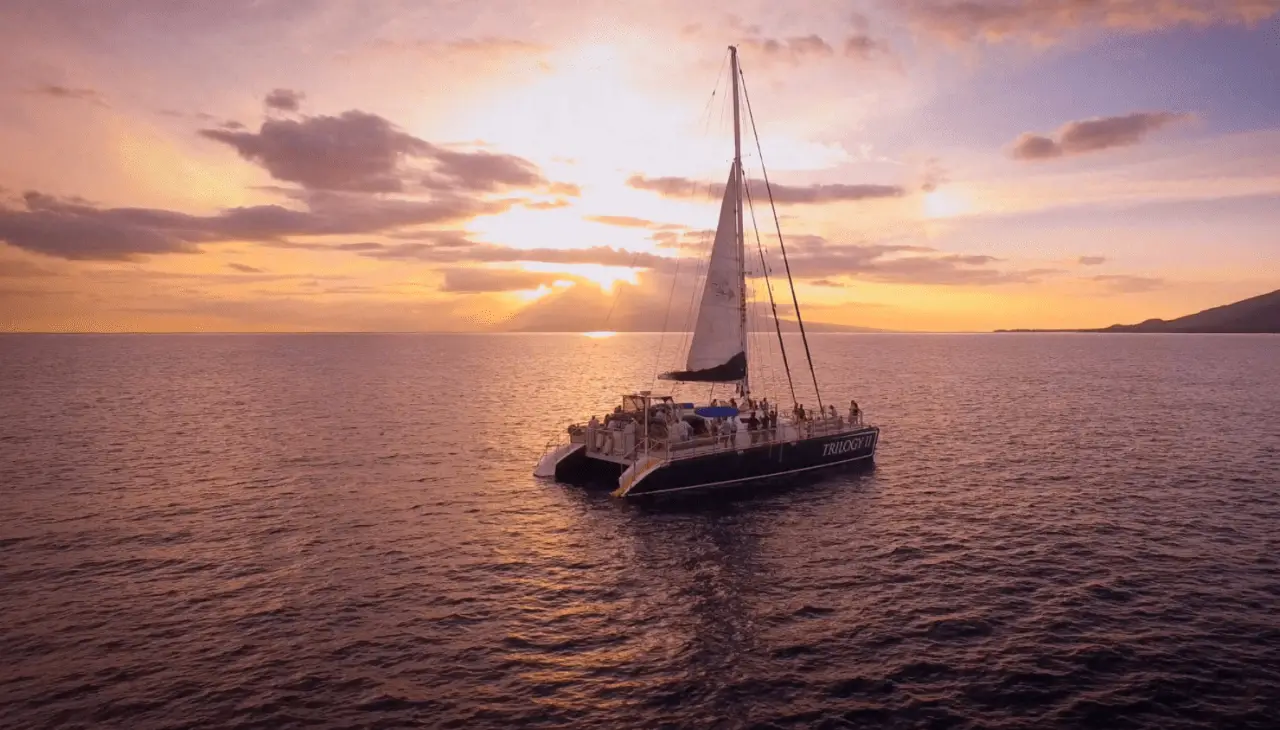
(737, 202)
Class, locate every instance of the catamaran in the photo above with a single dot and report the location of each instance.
(656, 444)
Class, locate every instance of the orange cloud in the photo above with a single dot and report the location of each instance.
(472, 281)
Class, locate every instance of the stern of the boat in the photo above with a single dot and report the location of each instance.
(546, 468)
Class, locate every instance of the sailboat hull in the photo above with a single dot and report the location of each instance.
(756, 465)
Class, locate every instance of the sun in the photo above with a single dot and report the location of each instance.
(599, 335)
(944, 204)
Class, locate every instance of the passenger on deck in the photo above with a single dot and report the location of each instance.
(657, 429)
(593, 433)
(628, 437)
(611, 434)
(680, 431)
(726, 432)
(753, 424)
(855, 413)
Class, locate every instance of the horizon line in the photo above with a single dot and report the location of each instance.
(510, 332)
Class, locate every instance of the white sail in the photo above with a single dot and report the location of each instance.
(716, 352)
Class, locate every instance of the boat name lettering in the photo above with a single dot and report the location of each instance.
(843, 447)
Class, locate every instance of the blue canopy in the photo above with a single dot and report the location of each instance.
(716, 411)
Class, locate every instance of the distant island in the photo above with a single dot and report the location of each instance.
(1260, 314)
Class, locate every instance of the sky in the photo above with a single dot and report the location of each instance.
(492, 165)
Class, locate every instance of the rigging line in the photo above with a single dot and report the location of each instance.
(694, 291)
(759, 342)
(777, 325)
(794, 299)
(657, 359)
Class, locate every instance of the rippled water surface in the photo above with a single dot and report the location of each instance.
(343, 531)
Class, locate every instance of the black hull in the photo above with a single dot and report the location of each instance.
(579, 469)
(755, 465)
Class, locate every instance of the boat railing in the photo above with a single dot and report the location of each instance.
(617, 444)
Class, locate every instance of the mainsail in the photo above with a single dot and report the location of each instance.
(716, 354)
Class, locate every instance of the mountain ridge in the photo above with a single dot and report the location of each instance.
(1255, 315)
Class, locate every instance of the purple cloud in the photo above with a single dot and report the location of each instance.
(681, 187)
(1092, 135)
(286, 100)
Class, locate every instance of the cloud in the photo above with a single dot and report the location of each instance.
(935, 175)
(626, 221)
(827, 282)
(814, 257)
(791, 50)
(481, 171)
(355, 151)
(641, 307)
(286, 100)
(563, 188)
(1091, 260)
(547, 204)
(457, 250)
(865, 48)
(1124, 284)
(477, 280)
(361, 152)
(687, 240)
(244, 268)
(1049, 21)
(1092, 135)
(66, 92)
(74, 229)
(680, 187)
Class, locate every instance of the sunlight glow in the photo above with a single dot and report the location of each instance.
(591, 110)
(944, 204)
(599, 335)
(532, 295)
(605, 277)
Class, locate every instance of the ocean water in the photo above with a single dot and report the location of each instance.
(343, 531)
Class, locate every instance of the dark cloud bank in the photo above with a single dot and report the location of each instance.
(356, 174)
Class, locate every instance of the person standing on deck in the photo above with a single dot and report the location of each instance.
(629, 437)
(593, 430)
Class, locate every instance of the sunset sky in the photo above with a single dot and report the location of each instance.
(942, 165)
